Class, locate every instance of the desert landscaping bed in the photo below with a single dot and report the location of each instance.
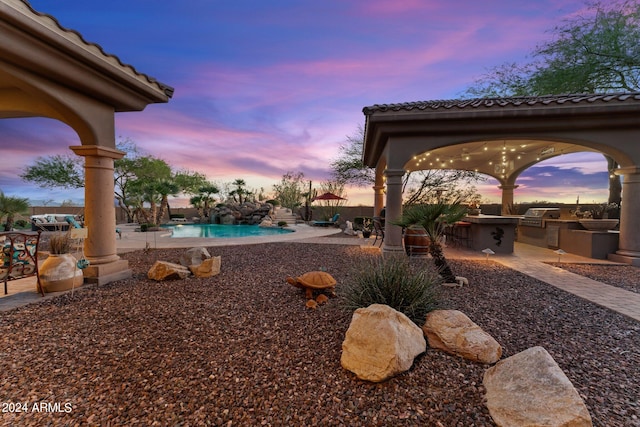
(242, 349)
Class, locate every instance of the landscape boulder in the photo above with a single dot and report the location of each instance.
(380, 343)
(453, 332)
(207, 268)
(530, 389)
(163, 270)
(194, 256)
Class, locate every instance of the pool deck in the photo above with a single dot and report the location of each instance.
(527, 259)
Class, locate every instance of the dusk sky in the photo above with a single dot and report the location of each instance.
(266, 87)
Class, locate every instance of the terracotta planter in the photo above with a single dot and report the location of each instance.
(60, 273)
(416, 241)
(599, 224)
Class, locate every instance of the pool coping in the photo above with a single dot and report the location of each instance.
(131, 240)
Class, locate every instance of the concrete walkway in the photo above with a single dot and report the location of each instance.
(527, 259)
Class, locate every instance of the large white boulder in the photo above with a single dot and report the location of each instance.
(380, 343)
(452, 331)
(194, 256)
(530, 389)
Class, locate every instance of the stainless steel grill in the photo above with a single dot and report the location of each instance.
(534, 217)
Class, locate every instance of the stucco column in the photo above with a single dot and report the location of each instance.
(629, 244)
(100, 215)
(378, 199)
(393, 233)
(507, 198)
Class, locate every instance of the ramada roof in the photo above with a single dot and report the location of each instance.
(77, 39)
(495, 102)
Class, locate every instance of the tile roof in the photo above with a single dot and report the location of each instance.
(166, 89)
(516, 101)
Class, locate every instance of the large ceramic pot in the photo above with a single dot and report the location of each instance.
(599, 224)
(60, 273)
(416, 241)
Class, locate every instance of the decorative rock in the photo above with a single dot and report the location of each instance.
(207, 268)
(194, 256)
(380, 343)
(452, 331)
(530, 389)
(162, 270)
(266, 222)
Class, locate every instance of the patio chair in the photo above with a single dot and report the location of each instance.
(378, 228)
(332, 221)
(19, 257)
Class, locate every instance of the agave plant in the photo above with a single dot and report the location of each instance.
(434, 218)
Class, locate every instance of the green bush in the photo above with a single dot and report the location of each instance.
(410, 287)
(21, 223)
(282, 223)
(273, 202)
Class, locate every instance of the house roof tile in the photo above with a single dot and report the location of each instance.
(516, 101)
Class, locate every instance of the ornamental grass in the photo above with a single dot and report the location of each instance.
(408, 286)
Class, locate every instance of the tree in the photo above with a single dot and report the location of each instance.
(56, 171)
(434, 218)
(203, 200)
(598, 51)
(437, 185)
(240, 193)
(10, 207)
(348, 167)
(290, 191)
(419, 186)
(150, 183)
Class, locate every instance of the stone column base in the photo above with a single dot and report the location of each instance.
(621, 257)
(107, 273)
(392, 250)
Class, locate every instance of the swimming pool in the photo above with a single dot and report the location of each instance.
(223, 231)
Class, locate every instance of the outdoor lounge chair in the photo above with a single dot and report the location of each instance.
(332, 221)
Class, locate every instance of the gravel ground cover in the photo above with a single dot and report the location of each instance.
(621, 276)
(241, 349)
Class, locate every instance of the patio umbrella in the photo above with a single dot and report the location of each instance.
(328, 196)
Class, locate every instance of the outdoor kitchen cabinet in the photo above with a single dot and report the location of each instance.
(493, 232)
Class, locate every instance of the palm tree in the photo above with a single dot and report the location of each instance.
(240, 190)
(206, 193)
(198, 203)
(165, 188)
(434, 218)
(10, 206)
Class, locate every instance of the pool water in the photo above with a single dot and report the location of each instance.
(222, 231)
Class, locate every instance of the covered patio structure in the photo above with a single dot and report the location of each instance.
(49, 71)
(502, 137)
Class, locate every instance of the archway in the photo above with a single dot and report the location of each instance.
(49, 71)
(502, 138)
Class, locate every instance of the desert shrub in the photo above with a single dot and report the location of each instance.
(60, 243)
(410, 287)
(22, 223)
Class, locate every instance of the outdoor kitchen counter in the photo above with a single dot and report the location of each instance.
(494, 232)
